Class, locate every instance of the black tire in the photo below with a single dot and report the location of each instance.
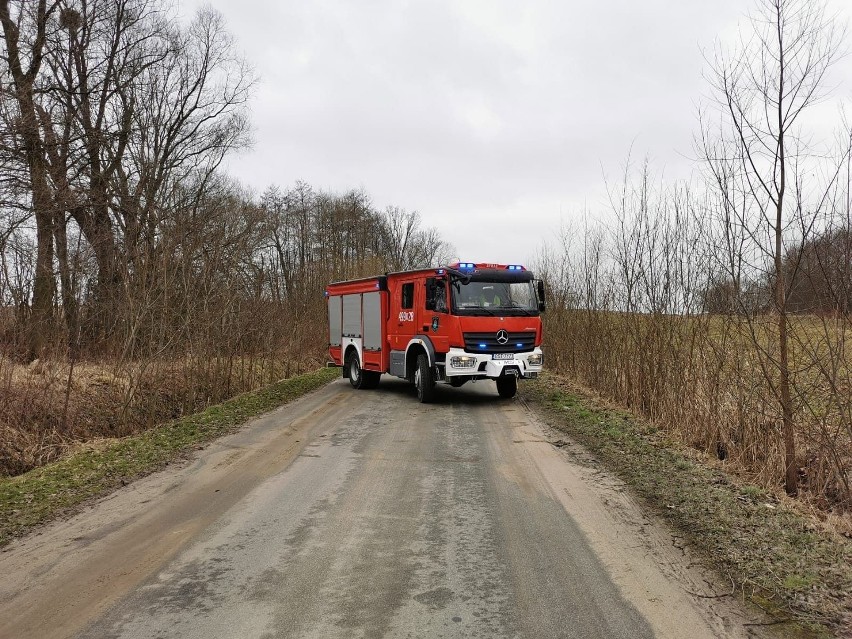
(423, 380)
(371, 379)
(353, 367)
(358, 377)
(507, 386)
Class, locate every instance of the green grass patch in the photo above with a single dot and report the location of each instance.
(43, 493)
(777, 558)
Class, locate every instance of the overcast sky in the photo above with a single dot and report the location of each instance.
(496, 120)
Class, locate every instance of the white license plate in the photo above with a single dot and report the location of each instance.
(503, 356)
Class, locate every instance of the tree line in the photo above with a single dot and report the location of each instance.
(818, 270)
(138, 281)
(119, 234)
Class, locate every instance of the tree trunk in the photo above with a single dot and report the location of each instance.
(66, 281)
(38, 332)
(790, 474)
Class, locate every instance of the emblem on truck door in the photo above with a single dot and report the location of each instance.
(502, 336)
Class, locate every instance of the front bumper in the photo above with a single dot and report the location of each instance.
(484, 365)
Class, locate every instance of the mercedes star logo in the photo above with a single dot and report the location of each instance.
(502, 336)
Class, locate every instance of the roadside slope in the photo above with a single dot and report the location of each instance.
(58, 488)
(774, 557)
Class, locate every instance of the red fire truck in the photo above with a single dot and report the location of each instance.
(458, 323)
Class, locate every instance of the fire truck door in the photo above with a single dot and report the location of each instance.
(402, 324)
(434, 313)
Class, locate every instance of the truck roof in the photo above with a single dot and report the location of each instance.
(511, 272)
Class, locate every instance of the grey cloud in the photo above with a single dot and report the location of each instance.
(472, 112)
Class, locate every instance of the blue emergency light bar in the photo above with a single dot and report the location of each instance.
(471, 266)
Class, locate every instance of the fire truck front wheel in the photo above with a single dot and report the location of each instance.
(423, 380)
(507, 386)
(358, 377)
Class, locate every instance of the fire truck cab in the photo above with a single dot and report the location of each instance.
(454, 324)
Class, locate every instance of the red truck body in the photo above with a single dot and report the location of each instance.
(455, 324)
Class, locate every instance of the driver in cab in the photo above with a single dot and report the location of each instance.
(489, 296)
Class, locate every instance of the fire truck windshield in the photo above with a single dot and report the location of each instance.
(494, 298)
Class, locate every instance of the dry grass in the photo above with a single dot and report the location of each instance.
(47, 409)
(99, 466)
(710, 383)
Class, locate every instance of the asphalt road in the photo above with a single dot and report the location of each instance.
(366, 514)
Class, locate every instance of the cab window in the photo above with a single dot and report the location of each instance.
(408, 295)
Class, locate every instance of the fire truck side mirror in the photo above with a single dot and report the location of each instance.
(542, 305)
(436, 295)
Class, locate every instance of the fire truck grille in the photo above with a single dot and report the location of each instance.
(487, 343)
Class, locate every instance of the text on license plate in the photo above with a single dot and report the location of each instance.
(503, 356)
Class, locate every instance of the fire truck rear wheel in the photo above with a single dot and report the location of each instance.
(423, 380)
(507, 386)
(353, 366)
(358, 377)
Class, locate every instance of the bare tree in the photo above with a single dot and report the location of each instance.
(402, 230)
(763, 89)
(24, 32)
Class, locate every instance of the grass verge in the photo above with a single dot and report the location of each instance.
(776, 558)
(44, 493)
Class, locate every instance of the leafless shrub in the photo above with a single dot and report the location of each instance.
(720, 309)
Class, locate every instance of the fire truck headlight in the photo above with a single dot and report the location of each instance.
(463, 361)
(535, 359)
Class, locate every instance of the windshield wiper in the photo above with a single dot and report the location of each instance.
(475, 310)
(516, 308)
